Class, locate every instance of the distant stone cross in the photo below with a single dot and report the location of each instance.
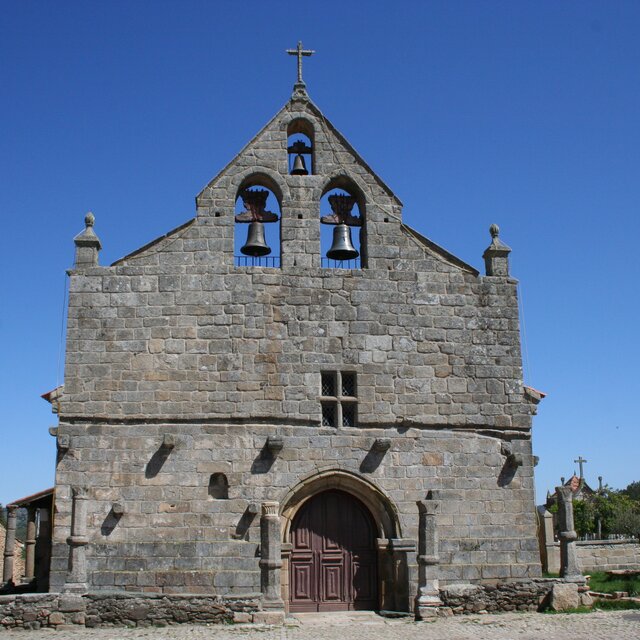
(581, 461)
(299, 51)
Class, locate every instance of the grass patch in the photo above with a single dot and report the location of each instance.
(604, 583)
(550, 574)
(615, 605)
(580, 609)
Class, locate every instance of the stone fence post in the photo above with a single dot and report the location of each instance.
(9, 546)
(569, 567)
(428, 597)
(77, 575)
(270, 555)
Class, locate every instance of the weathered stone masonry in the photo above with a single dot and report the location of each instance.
(174, 341)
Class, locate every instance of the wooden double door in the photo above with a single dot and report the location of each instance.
(333, 565)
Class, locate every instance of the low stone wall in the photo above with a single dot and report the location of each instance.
(36, 610)
(597, 555)
(525, 595)
(605, 555)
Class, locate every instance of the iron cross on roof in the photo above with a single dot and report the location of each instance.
(300, 52)
(581, 461)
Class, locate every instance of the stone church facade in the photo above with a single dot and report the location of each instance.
(333, 436)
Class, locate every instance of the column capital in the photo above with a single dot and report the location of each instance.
(270, 508)
(79, 493)
(428, 507)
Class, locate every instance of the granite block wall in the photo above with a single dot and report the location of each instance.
(176, 340)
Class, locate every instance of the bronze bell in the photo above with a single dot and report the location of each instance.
(342, 247)
(255, 245)
(299, 167)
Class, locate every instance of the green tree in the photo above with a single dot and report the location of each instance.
(633, 491)
(615, 509)
(627, 522)
(584, 517)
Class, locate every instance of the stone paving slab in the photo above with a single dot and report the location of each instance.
(618, 625)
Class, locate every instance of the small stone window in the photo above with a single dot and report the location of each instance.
(218, 487)
(338, 398)
(300, 147)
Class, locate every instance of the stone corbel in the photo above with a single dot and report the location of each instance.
(513, 460)
(64, 442)
(381, 445)
(168, 441)
(275, 444)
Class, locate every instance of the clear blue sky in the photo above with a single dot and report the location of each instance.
(521, 113)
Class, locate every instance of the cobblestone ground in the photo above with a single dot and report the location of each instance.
(618, 625)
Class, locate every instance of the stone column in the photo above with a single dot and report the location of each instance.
(30, 546)
(404, 571)
(43, 549)
(428, 597)
(270, 556)
(569, 568)
(9, 546)
(76, 580)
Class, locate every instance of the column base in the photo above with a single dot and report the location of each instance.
(269, 617)
(273, 605)
(428, 606)
(578, 578)
(75, 587)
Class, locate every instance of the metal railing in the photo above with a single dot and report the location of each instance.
(272, 262)
(328, 263)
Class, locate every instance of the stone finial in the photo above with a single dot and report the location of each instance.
(496, 255)
(87, 244)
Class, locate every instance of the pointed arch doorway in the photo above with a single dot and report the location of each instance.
(333, 564)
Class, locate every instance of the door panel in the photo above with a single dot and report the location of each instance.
(333, 560)
(303, 581)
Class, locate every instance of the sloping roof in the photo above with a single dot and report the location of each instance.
(154, 242)
(443, 253)
(533, 394)
(53, 395)
(41, 496)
